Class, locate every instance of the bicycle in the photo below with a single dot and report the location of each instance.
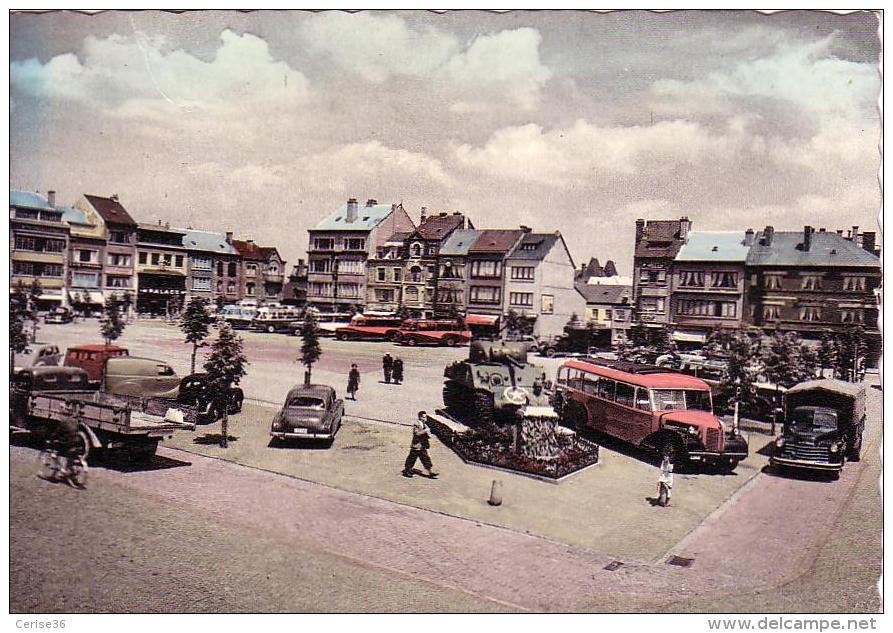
(72, 469)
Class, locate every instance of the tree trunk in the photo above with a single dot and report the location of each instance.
(194, 350)
(307, 376)
(224, 429)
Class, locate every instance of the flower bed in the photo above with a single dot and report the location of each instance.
(493, 446)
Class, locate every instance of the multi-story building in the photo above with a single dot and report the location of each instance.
(608, 307)
(86, 256)
(272, 280)
(295, 291)
(452, 272)
(339, 247)
(539, 283)
(813, 282)
(486, 280)
(707, 283)
(38, 246)
(384, 276)
(213, 266)
(119, 229)
(657, 243)
(263, 272)
(421, 274)
(162, 265)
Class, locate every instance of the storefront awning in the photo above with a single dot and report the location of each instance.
(681, 336)
(480, 319)
(84, 296)
(49, 297)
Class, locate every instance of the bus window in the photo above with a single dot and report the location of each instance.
(575, 379)
(606, 389)
(643, 400)
(699, 400)
(590, 383)
(626, 394)
(669, 399)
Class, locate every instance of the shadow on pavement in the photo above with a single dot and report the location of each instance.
(123, 464)
(213, 438)
(313, 445)
(798, 474)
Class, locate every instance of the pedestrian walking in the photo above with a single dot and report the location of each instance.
(397, 373)
(387, 364)
(421, 435)
(665, 482)
(353, 381)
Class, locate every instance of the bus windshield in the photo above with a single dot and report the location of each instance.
(681, 399)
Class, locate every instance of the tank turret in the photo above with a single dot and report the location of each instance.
(493, 383)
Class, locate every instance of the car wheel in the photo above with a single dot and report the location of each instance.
(550, 352)
(271, 329)
(343, 336)
(235, 403)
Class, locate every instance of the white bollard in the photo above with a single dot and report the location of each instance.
(495, 494)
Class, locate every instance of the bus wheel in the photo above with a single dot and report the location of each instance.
(343, 336)
(271, 329)
(450, 341)
(410, 340)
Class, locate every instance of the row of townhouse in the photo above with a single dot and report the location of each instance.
(83, 254)
(811, 282)
(376, 259)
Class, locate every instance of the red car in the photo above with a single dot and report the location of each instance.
(369, 329)
(427, 332)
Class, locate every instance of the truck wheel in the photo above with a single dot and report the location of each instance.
(855, 453)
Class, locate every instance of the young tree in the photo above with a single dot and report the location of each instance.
(741, 350)
(111, 325)
(33, 293)
(195, 322)
(19, 315)
(851, 349)
(512, 324)
(827, 354)
(310, 348)
(226, 365)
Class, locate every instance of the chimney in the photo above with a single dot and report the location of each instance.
(868, 241)
(229, 237)
(114, 197)
(351, 210)
(249, 242)
(855, 232)
(640, 230)
(442, 214)
(424, 215)
(526, 229)
(371, 202)
(684, 227)
(748, 237)
(51, 198)
(840, 232)
(167, 225)
(768, 234)
(822, 230)
(807, 237)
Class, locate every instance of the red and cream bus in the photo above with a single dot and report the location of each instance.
(647, 406)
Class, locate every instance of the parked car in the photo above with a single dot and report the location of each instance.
(141, 377)
(59, 315)
(309, 412)
(40, 356)
(91, 358)
(194, 391)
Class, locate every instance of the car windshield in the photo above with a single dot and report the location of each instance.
(681, 399)
(307, 402)
(812, 420)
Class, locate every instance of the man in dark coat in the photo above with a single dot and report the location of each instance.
(398, 370)
(353, 381)
(387, 364)
(419, 448)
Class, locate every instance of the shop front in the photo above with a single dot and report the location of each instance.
(160, 293)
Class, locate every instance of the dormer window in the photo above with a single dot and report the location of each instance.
(415, 250)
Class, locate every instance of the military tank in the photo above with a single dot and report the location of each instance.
(494, 383)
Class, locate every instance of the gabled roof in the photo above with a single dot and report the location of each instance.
(459, 242)
(437, 227)
(268, 251)
(660, 239)
(603, 293)
(110, 210)
(496, 240)
(248, 250)
(28, 200)
(826, 249)
(207, 241)
(367, 218)
(534, 246)
(713, 246)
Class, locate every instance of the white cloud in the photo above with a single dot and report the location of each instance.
(139, 76)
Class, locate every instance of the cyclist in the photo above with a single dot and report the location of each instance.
(65, 438)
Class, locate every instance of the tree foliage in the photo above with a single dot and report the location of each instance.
(741, 350)
(195, 323)
(226, 365)
(111, 325)
(786, 360)
(310, 347)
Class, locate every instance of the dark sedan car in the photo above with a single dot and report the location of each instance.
(194, 391)
(310, 412)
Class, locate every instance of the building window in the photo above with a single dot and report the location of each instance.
(250, 288)
(324, 243)
(355, 244)
(448, 271)
(771, 313)
(449, 295)
(722, 279)
(485, 294)
(201, 283)
(524, 273)
(349, 291)
(810, 313)
(691, 279)
(852, 316)
(381, 274)
(415, 274)
(166, 259)
(653, 275)
(178, 261)
(485, 269)
(87, 256)
(320, 265)
(85, 280)
(232, 269)
(690, 307)
(119, 237)
(854, 284)
(143, 257)
(219, 285)
(652, 304)
(251, 270)
(39, 244)
(117, 281)
(772, 282)
(34, 269)
(415, 250)
(116, 259)
(412, 293)
(430, 250)
(320, 289)
(156, 259)
(231, 287)
(398, 274)
(523, 299)
(202, 263)
(384, 295)
(619, 315)
(547, 304)
(351, 267)
(811, 282)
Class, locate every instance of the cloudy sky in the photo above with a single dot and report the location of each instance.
(264, 122)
